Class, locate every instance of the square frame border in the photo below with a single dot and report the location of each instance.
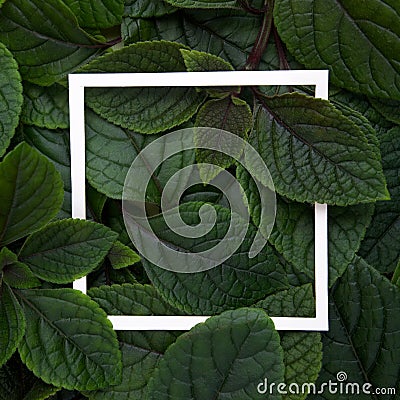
(77, 85)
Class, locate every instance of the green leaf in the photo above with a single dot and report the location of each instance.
(364, 330)
(390, 109)
(137, 299)
(229, 114)
(122, 256)
(80, 350)
(330, 160)
(110, 151)
(293, 235)
(96, 202)
(31, 193)
(360, 104)
(238, 281)
(7, 257)
(54, 145)
(381, 246)
(294, 302)
(45, 39)
(97, 14)
(46, 107)
(40, 391)
(67, 249)
(137, 29)
(302, 350)
(224, 358)
(138, 367)
(15, 273)
(360, 45)
(198, 61)
(229, 34)
(143, 110)
(12, 323)
(141, 350)
(10, 97)
(147, 8)
(18, 383)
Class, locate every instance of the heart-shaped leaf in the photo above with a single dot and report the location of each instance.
(226, 357)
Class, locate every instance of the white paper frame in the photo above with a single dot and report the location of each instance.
(77, 85)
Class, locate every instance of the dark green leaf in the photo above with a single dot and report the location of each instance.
(381, 246)
(122, 256)
(80, 349)
(96, 202)
(54, 145)
(238, 281)
(45, 39)
(138, 367)
(390, 109)
(10, 97)
(137, 299)
(302, 350)
(19, 276)
(67, 249)
(364, 331)
(144, 110)
(229, 34)
(31, 193)
(293, 235)
(322, 141)
(97, 14)
(147, 8)
(7, 257)
(229, 114)
(137, 30)
(111, 151)
(18, 383)
(224, 358)
(359, 43)
(46, 107)
(141, 350)
(12, 323)
(199, 61)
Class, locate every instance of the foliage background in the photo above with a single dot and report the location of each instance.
(57, 343)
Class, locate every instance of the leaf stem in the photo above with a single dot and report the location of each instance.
(283, 63)
(254, 59)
